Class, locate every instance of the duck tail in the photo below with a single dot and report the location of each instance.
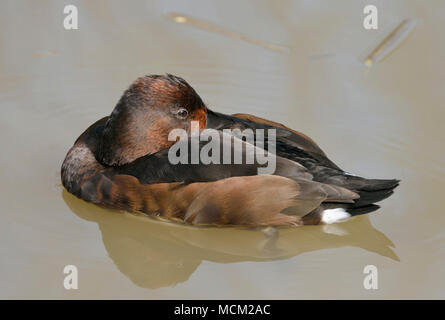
(370, 190)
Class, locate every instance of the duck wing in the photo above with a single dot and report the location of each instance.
(299, 138)
(290, 144)
(230, 157)
(298, 147)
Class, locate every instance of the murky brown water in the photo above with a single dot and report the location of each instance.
(386, 123)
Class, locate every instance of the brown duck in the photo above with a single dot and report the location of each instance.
(122, 161)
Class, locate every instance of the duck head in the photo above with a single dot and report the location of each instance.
(145, 114)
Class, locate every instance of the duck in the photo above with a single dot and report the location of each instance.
(123, 161)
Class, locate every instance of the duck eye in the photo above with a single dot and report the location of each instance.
(182, 113)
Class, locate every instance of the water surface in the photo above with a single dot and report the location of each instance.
(383, 123)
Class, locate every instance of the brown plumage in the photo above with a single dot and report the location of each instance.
(121, 161)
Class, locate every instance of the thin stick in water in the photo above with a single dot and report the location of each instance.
(180, 18)
(392, 41)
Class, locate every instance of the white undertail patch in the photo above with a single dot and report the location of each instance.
(334, 215)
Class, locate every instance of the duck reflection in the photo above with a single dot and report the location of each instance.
(156, 254)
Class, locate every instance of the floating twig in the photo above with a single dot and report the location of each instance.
(391, 42)
(180, 18)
